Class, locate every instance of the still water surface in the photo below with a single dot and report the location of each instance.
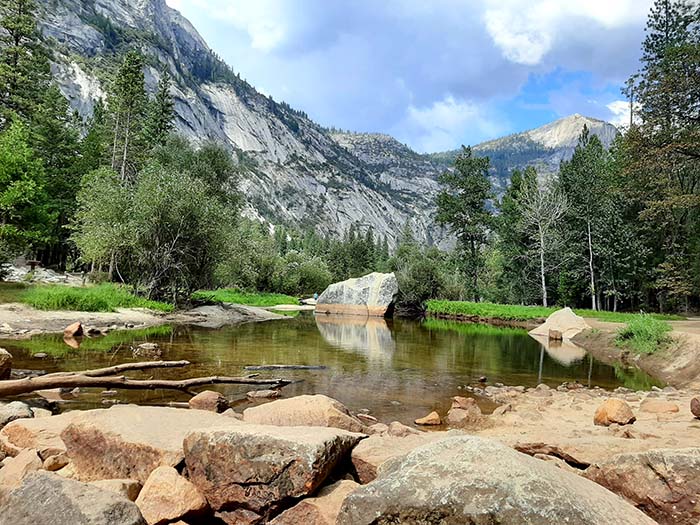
(398, 370)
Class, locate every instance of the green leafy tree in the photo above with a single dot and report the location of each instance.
(462, 204)
(161, 112)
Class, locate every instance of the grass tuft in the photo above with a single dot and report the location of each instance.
(102, 298)
(231, 295)
(510, 312)
(644, 334)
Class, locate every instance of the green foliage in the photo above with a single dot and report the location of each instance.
(644, 334)
(470, 328)
(161, 112)
(11, 292)
(101, 298)
(232, 295)
(523, 313)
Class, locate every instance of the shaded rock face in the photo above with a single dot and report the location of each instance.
(662, 483)
(5, 364)
(252, 469)
(472, 480)
(128, 441)
(371, 295)
(48, 499)
(307, 410)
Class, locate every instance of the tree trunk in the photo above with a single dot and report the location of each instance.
(542, 272)
(126, 145)
(590, 267)
(114, 144)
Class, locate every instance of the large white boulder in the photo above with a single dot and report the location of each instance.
(564, 321)
(372, 295)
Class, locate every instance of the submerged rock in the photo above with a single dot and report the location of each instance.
(663, 483)
(48, 499)
(371, 295)
(473, 480)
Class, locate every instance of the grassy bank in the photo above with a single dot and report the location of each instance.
(511, 312)
(101, 298)
(230, 295)
(644, 334)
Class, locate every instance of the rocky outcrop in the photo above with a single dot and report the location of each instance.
(314, 411)
(322, 509)
(250, 470)
(49, 499)
(563, 321)
(472, 480)
(662, 483)
(371, 295)
(130, 441)
(167, 496)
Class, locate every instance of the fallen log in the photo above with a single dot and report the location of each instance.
(285, 367)
(109, 378)
(14, 387)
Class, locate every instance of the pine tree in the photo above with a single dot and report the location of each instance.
(462, 204)
(161, 111)
(24, 67)
(127, 101)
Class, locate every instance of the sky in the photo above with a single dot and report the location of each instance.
(435, 74)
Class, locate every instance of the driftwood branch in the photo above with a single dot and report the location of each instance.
(109, 378)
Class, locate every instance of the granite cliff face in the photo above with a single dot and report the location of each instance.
(294, 171)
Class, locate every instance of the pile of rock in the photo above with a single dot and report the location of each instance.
(309, 460)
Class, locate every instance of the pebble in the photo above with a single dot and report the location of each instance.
(40, 355)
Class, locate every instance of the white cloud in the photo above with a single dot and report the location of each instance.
(620, 111)
(525, 30)
(442, 125)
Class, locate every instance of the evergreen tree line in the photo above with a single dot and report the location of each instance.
(615, 229)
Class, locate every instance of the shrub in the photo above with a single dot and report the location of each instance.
(644, 334)
(101, 298)
(231, 295)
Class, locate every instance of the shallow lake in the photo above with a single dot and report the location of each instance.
(398, 370)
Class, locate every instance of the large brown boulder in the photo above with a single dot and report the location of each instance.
(5, 364)
(663, 483)
(371, 295)
(42, 434)
(253, 468)
(308, 410)
(167, 496)
(45, 498)
(473, 480)
(613, 411)
(322, 509)
(128, 441)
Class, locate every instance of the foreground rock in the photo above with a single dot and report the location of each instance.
(371, 295)
(48, 499)
(130, 441)
(5, 364)
(323, 509)
(311, 411)
(464, 413)
(167, 497)
(613, 411)
(246, 472)
(472, 480)
(564, 322)
(14, 410)
(431, 419)
(17, 468)
(129, 488)
(663, 483)
(209, 400)
(695, 407)
(42, 434)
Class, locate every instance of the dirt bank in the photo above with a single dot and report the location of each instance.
(19, 321)
(677, 365)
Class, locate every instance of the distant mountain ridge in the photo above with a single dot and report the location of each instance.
(294, 172)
